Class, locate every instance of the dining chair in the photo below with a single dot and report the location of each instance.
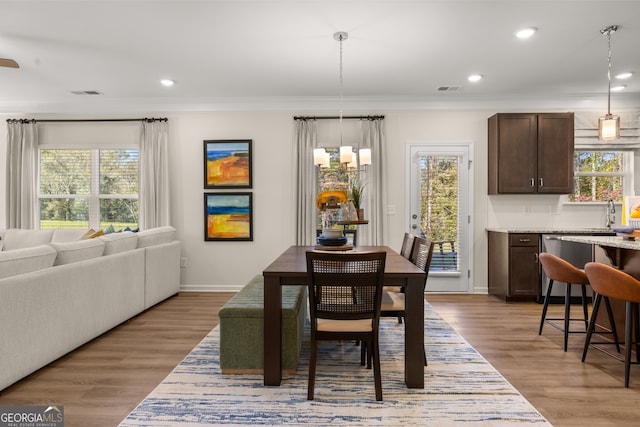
(405, 251)
(393, 302)
(407, 245)
(345, 293)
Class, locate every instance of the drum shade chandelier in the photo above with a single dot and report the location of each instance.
(348, 158)
(609, 125)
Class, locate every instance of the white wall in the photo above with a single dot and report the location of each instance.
(228, 265)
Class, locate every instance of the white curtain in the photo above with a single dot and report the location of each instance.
(154, 174)
(374, 196)
(22, 154)
(305, 181)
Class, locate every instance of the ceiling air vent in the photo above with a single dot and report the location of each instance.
(86, 92)
(447, 88)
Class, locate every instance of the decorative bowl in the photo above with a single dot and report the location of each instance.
(329, 233)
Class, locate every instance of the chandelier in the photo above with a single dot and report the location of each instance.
(609, 125)
(348, 158)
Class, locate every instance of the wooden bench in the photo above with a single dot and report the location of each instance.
(241, 329)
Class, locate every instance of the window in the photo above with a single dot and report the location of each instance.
(602, 175)
(334, 178)
(82, 188)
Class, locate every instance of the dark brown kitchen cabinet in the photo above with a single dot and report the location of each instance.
(514, 270)
(531, 153)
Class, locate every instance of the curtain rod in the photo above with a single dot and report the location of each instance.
(148, 120)
(338, 117)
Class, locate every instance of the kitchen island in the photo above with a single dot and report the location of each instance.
(621, 253)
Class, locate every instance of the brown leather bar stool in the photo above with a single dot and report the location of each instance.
(559, 270)
(609, 282)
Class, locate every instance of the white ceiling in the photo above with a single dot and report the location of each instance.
(281, 55)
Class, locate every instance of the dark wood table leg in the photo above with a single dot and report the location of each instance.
(414, 334)
(272, 330)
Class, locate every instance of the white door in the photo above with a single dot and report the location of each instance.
(439, 198)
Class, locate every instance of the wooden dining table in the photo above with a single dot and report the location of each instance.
(290, 268)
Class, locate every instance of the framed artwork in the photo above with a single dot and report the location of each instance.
(227, 164)
(228, 217)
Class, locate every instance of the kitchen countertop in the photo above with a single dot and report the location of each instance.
(611, 241)
(552, 230)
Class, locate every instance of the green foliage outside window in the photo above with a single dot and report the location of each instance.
(439, 197)
(82, 188)
(598, 176)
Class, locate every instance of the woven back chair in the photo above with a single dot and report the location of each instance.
(407, 245)
(393, 302)
(345, 293)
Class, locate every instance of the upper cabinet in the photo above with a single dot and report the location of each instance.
(531, 153)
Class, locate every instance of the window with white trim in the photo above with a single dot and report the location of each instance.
(88, 188)
(602, 175)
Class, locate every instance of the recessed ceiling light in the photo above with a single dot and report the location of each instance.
(475, 77)
(623, 76)
(618, 88)
(167, 82)
(526, 33)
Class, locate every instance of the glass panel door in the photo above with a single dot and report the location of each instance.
(439, 210)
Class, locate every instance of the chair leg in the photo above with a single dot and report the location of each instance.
(612, 323)
(545, 306)
(592, 325)
(636, 313)
(567, 315)
(312, 370)
(399, 319)
(628, 326)
(583, 288)
(425, 357)
(376, 368)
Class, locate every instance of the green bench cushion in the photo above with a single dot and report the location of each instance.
(249, 302)
(242, 329)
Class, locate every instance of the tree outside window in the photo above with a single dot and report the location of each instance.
(599, 176)
(88, 188)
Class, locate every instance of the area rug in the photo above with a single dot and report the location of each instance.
(461, 388)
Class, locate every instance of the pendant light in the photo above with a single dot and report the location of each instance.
(609, 125)
(348, 158)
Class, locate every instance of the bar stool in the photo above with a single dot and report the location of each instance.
(609, 282)
(560, 270)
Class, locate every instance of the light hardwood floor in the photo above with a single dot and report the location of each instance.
(100, 383)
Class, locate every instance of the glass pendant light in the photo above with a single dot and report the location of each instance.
(609, 125)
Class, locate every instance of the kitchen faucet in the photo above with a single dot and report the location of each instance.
(611, 210)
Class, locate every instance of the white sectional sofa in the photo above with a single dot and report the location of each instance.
(58, 292)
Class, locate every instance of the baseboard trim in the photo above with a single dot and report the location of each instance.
(210, 288)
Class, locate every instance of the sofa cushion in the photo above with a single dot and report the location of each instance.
(119, 242)
(26, 260)
(156, 236)
(16, 238)
(63, 235)
(77, 251)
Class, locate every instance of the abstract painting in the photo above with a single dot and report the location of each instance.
(228, 216)
(227, 164)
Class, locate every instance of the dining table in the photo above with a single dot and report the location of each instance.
(290, 268)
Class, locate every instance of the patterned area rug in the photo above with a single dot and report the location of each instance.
(461, 388)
